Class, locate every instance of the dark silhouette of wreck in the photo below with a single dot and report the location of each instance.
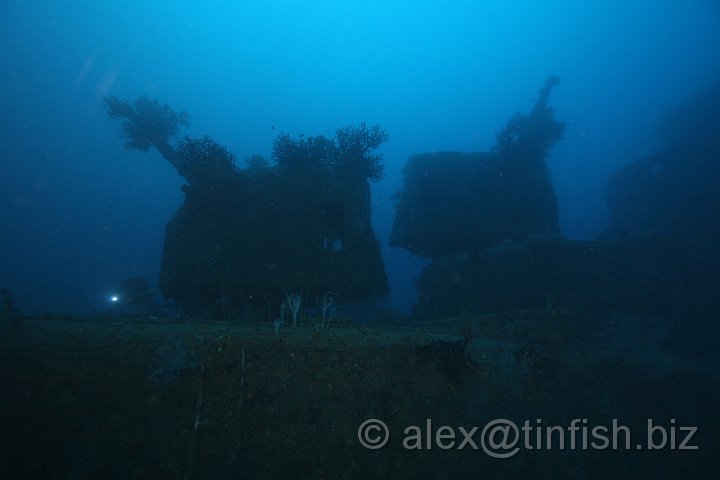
(674, 192)
(249, 236)
(489, 222)
(460, 202)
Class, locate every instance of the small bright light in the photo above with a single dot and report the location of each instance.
(114, 298)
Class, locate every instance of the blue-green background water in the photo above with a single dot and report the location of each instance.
(78, 212)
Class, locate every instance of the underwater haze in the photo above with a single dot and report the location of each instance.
(78, 212)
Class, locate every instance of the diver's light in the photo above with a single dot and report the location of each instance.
(114, 299)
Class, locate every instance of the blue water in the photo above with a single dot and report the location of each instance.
(78, 212)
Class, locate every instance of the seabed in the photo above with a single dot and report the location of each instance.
(154, 398)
